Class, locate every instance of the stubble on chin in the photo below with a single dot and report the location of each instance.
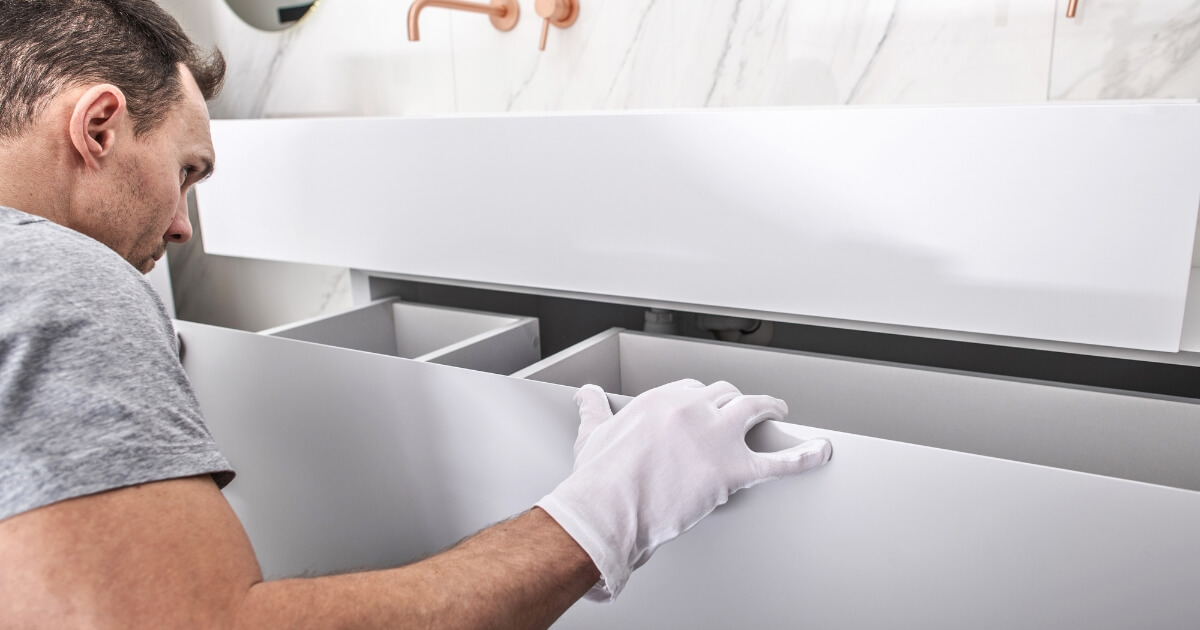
(145, 264)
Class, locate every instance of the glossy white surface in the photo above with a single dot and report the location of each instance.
(349, 460)
(1119, 435)
(463, 338)
(1069, 223)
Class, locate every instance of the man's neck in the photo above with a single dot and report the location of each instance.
(28, 180)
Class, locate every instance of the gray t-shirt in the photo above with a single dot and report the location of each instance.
(92, 394)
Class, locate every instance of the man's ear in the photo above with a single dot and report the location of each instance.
(98, 115)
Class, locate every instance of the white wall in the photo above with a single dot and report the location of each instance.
(352, 57)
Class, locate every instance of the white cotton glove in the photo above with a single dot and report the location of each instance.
(664, 462)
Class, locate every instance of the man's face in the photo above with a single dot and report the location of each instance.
(144, 204)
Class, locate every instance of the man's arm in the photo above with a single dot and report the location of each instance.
(172, 554)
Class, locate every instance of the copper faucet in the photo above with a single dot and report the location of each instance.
(561, 13)
(504, 13)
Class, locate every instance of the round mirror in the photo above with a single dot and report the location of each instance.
(270, 15)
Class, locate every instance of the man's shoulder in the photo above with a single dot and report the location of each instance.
(48, 267)
(36, 250)
(14, 217)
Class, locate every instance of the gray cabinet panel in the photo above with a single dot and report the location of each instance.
(348, 459)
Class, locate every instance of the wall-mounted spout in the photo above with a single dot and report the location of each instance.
(504, 13)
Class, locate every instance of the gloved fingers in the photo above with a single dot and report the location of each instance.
(593, 411)
(689, 383)
(805, 456)
(749, 410)
(721, 393)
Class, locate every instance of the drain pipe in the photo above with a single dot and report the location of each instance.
(661, 321)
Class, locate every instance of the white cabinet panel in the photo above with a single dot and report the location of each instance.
(489, 342)
(1127, 436)
(349, 459)
(160, 279)
(1069, 223)
(1191, 322)
(1126, 49)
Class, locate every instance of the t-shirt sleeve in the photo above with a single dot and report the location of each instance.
(92, 393)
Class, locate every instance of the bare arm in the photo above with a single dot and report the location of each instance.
(172, 554)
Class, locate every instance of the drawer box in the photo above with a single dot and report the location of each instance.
(488, 342)
(1103, 432)
(350, 459)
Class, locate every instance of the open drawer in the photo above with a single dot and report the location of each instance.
(476, 340)
(1115, 434)
(351, 459)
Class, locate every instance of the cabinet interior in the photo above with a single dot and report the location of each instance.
(565, 321)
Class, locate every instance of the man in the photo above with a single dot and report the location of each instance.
(110, 510)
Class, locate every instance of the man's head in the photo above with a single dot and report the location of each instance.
(103, 125)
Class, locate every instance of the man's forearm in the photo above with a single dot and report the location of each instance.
(522, 573)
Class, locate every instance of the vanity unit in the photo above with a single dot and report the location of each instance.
(984, 308)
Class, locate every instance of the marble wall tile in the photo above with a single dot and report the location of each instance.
(343, 58)
(1127, 49)
(354, 59)
(681, 53)
(252, 55)
(644, 54)
(831, 46)
(921, 51)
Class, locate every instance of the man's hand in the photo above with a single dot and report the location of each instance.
(664, 462)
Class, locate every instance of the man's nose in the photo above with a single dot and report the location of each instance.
(181, 227)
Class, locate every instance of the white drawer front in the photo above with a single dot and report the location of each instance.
(476, 340)
(1061, 222)
(349, 459)
(1132, 437)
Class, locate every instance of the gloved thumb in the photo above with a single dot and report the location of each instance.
(792, 461)
(593, 411)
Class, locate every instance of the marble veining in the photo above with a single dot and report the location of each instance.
(874, 55)
(750, 68)
(737, 6)
(943, 51)
(637, 35)
(1127, 49)
(263, 90)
